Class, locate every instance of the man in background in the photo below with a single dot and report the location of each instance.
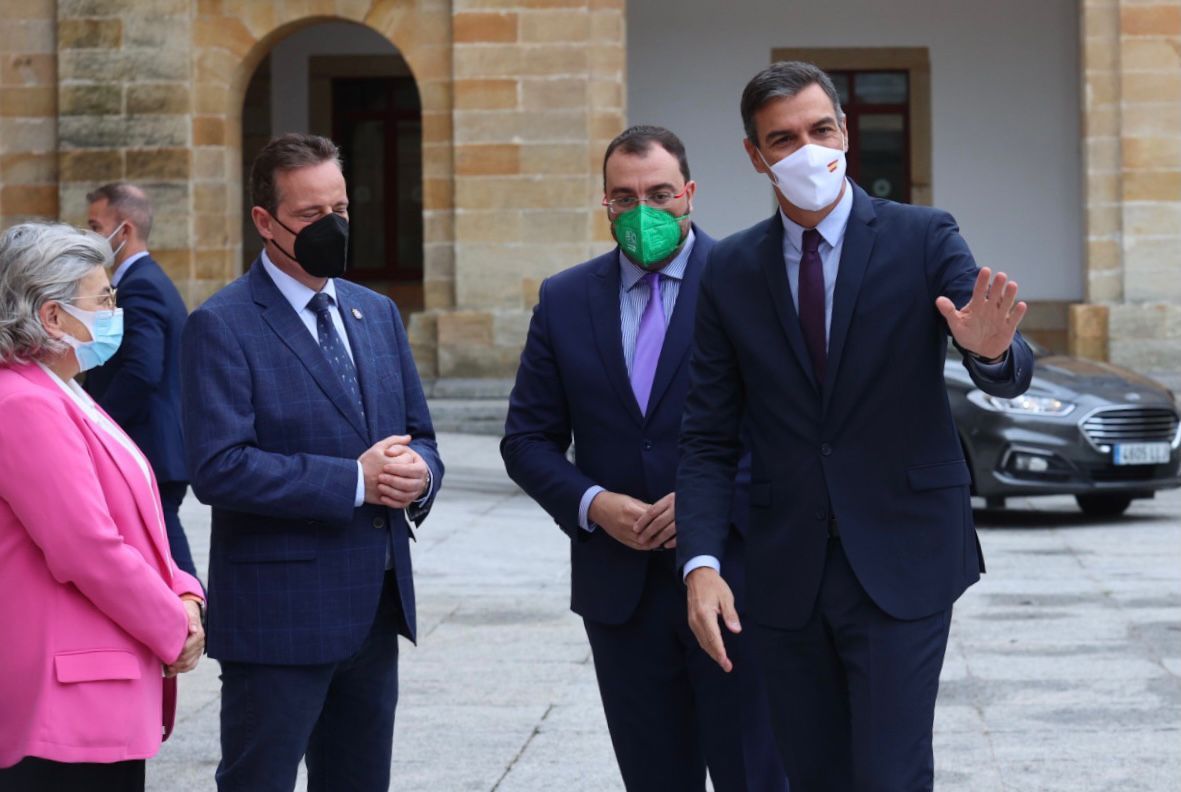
(140, 386)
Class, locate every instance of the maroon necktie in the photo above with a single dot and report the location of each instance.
(811, 299)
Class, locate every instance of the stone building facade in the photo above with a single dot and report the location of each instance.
(518, 101)
(1132, 135)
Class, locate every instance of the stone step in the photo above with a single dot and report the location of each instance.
(468, 416)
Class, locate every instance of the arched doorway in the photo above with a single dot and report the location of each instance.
(346, 81)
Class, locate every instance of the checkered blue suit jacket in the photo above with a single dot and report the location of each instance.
(295, 571)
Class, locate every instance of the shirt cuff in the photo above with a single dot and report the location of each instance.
(992, 370)
(430, 488)
(584, 508)
(359, 498)
(696, 562)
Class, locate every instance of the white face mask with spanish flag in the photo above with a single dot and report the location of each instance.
(810, 177)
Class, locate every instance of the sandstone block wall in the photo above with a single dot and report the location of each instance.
(1132, 149)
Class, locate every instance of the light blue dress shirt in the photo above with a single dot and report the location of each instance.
(632, 302)
(298, 295)
(832, 242)
(121, 270)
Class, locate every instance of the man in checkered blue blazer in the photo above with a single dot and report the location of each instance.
(308, 433)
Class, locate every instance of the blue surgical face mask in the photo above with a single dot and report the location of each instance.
(106, 334)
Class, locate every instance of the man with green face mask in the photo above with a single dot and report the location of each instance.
(605, 366)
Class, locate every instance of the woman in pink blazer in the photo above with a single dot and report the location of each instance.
(95, 618)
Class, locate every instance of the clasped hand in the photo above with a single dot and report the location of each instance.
(985, 325)
(632, 522)
(194, 644)
(395, 474)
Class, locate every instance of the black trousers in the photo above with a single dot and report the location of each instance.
(34, 774)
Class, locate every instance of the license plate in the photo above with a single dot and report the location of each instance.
(1141, 453)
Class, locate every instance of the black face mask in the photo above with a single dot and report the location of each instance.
(322, 247)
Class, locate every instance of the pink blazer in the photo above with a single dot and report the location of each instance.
(89, 595)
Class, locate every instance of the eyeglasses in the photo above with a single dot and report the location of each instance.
(659, 200)
(105, 299)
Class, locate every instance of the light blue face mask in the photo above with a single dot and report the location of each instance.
(106, 334)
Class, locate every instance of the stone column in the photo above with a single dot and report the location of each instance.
(538, 94)
(28, 111)
(1132, 138)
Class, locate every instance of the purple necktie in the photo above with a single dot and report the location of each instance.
(649, 341)
(811, 299)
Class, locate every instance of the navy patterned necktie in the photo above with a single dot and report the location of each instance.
(334, 349)
(811, 299)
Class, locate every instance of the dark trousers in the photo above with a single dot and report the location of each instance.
(171, 495)
(853, 691)
(671, 710)
(339, 715)
(34, 774)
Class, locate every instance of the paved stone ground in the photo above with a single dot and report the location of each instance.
(1063, 670)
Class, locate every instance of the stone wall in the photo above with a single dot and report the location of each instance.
(1132, 137)
(538, 95)
(28, 111)
(519, 99)
(124, 97)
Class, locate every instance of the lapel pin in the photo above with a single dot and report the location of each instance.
(357, 313)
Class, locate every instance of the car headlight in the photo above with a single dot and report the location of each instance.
(1025, 404)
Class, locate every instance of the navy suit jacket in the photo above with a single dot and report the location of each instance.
(875, 442)
(295, 571)
(140, 386)
(573, 384)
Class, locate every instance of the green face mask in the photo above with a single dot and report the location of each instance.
(648, 236)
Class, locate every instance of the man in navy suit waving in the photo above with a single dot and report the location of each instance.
(822, 332)
(605, 366)
(140, 386)
(310, 437)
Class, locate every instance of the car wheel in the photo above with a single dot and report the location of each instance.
(1103, 505)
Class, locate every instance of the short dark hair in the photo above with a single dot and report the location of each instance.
(782, 79)
(640, 138)
(285, 153)
(130, 203)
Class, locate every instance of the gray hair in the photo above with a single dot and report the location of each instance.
(779, 80)
(40, 263)
(130, 203)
